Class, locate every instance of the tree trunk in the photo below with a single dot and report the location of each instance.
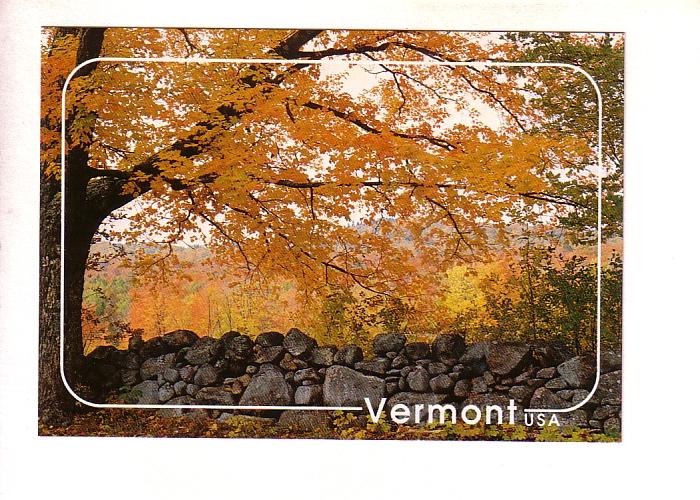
(55, 402)
(87, 203)
(56, 405)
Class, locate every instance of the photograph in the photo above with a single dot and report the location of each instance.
(338, 234)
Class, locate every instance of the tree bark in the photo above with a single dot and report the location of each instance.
(55, 404)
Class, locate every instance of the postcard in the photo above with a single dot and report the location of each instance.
(335, 234)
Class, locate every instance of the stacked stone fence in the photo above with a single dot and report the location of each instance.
(181, 368)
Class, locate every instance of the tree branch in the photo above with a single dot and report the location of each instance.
(291, 46)
(441, 143)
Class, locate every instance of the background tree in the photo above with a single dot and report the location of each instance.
(270, 162)
(602, 56)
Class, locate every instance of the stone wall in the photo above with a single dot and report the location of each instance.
(288, 370)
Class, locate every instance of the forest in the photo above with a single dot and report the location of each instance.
(346, 183)
(537, 292)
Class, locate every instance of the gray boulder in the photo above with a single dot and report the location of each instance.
(215, 395)
(268, 388)
(306, 375)
(609, 391)
(579, 371)
(237, 349)
(323, 356)
(536, 382)
(606, 411)
(290, 363)
(268, 367)
(146, 393)
(180, 387)
(245, 379)
(399, 361)
(442, 384)
(419, 380)
(549, 354)
(206, 375)
(203, 351)
(298, 343)
(388, 342)
(308, 395)
(578, 395)
(236, 387)
(182, 400)
(269, 339)
(566, 394)
(344, 386)
(178, 339)
(448, 348)
(348, 355)
(166, 392)
(153, 367)
(595, 424)
(474, 358)
(264, 354)
(610, 361)
(550, 372)
(437, 368)
(376, 365)
(543, 398)
(479, 385)
(532, 373)
(171, 375)
(576, 418)
(461, 389)
(556, 383)
(187, 373)
(521, 393)
(417, 350)
(176, 412)
(508, 359)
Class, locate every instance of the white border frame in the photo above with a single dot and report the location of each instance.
(317, 62)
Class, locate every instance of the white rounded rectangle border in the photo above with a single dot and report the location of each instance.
(599, 154)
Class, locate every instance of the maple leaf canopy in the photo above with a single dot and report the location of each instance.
(320, 172)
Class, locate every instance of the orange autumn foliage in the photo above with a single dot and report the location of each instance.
(361, 178)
